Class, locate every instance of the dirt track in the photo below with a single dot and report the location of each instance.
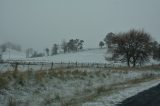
(150, 97)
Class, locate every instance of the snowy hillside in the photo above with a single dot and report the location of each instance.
(13, 54)
(86, 56)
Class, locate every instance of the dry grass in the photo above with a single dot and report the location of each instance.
(17, 77)
(105, 90)
(40, 75)
(81, 96)
(12, 102)
(3, 82)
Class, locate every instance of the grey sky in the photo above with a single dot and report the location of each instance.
(40, 23)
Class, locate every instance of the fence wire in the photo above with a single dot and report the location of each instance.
(38, 65)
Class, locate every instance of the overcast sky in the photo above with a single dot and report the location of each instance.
(41, 23)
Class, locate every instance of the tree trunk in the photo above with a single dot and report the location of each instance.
(128, 63)
(134, 62)
(128, 60)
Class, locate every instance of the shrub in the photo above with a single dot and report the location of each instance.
(3, 82)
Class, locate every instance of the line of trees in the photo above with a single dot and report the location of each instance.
(134, 47)
(73, 45)
(30, 53)
(9, 45)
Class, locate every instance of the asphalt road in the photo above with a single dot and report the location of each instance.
(150, 97)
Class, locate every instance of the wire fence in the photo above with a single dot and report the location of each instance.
(21, 65)
(39, 65)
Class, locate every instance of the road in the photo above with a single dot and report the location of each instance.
(150, 97)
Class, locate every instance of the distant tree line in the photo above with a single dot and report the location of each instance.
(9, 45)
(73, 45)
(134, 47)
(30, 53)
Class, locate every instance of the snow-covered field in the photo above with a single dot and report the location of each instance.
(13, 55)
(96, 55)
(81, 86)
(71, 87)
(86, 56)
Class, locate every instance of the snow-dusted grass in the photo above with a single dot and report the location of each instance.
(66, 87)
(86, 56)
(117, 96)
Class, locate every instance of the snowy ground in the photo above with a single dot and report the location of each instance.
(71, 87)
(120, 95)
(86, 56)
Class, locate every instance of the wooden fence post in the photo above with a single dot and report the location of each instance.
(28, 66)
(105, 66)
(52, 66)
(97, 65)
(68, 65)
(76, 64)
(16, 66)
(41, 66)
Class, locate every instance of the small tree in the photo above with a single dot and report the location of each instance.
(64, 46)
(156, 50)
(36, 54)
(29, 52)
(80, 44)
(72, 45)
(55, 49)
(101, 44)
(3, 48)
(108, 39)
(47, 51)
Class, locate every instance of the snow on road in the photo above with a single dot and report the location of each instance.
(119, 96)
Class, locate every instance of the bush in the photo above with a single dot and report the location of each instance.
(3, 82)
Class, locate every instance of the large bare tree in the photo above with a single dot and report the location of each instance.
(132, 47)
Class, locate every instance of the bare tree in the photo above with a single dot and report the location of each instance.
(54, 49)
(64, 46)
(29, 52)
(47, 51)
(132, 47)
